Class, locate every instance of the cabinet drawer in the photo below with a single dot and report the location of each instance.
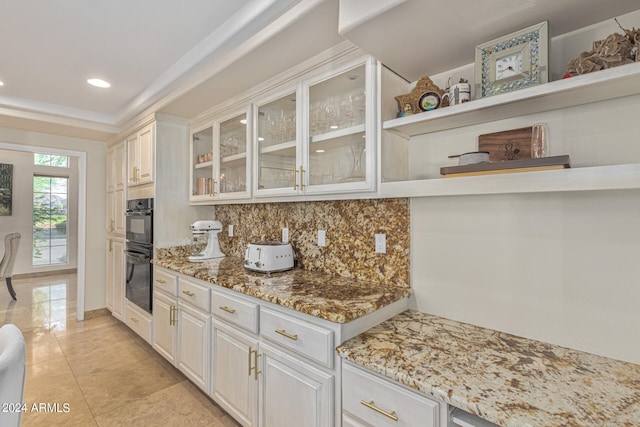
(195, 294)
(305, 338)
(165, 281)
(241, 313)
(380, 402)
(138, 322)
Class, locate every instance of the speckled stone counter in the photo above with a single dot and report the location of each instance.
(332, 298)
(511, 381)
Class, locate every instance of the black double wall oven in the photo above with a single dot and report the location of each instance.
(138, 252)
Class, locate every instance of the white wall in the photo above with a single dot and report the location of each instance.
(96, 203)
(562, 268)
(21, 218)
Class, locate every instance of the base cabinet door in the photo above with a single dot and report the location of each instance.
(234, 380)
(115, 277)
(293, 393)
(194, 330)
(165, 326)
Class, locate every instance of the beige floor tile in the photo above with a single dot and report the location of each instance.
(107, 391)
(96, 372)
(179, 405)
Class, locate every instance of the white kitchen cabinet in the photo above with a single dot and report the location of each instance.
(293, 393)
(326, 145)
(234, 373)
(194, 332)
(115, 298)
(221, 158)
(165, 331)
(139, 321)
(369, 400)
(141, 156)
(116, 176)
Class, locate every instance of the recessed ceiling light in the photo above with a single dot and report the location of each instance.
(1, 83)
(319, 151)
(333, 126)
(99, 83)
(243, 121)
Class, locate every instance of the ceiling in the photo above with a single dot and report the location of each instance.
(182, 58)
(153, 52)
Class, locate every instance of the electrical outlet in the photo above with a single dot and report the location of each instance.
(381, 243)
(230, 230)
(285, 235)
(322, 238)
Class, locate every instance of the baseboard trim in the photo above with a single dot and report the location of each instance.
(45, 273)
(91, 314)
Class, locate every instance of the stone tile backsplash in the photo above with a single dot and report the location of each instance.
(350, 235)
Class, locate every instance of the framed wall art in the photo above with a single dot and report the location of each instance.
(6, 189)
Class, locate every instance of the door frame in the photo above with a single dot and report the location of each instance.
(82, 210)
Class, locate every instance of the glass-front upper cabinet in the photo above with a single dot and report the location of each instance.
(202, 164)
(276, 145)
(220, 158)
(232, 145)
(339, 156)
(319, 137)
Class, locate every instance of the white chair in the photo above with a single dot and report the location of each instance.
(11, 243)
(12, 375)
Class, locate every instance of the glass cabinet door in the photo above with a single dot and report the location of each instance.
(276, 153)
(233, 137)
(202, 164)
(337, 117)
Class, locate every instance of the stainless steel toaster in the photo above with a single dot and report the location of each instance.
(269, 257)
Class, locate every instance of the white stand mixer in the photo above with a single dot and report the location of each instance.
(212, 250)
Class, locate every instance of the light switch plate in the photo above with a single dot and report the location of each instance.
(285, 235)
(381, 243)
(230, 230)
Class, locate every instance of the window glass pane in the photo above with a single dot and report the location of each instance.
(41, 159)
(51, 160)
(50, 238)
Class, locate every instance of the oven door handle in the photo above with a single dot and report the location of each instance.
(138, 256)
(138, 213)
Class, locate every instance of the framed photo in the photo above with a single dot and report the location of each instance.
(513, 62)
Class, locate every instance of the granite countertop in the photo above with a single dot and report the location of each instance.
(332, 298)
(509, 380)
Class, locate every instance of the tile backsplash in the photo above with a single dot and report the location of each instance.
(350, 228)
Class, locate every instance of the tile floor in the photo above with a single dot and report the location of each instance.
(96, 372)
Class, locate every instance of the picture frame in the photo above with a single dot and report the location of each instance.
(6, 189)
(515, 61)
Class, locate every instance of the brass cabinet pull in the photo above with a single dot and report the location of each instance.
(254, 368)
(161, 281)
(134, 320)
(371, 405)
(111, 225)
(135, 174)
(302, 178)
(286, 334)
(188, 293)
(227, 309)
(173, 318)
(110, 245)
(295, 178)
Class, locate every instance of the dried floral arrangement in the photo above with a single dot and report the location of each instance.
(615, 50)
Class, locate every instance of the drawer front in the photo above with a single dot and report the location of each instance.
(305, 338)
(165, 281)
(195, 294)
(241, 313)
(380, 402)
(138, 323)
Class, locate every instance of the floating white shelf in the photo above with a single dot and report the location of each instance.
(614, 177)
(235, 160)
(589, 88)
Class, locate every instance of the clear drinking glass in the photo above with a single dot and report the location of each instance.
(539, 140)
